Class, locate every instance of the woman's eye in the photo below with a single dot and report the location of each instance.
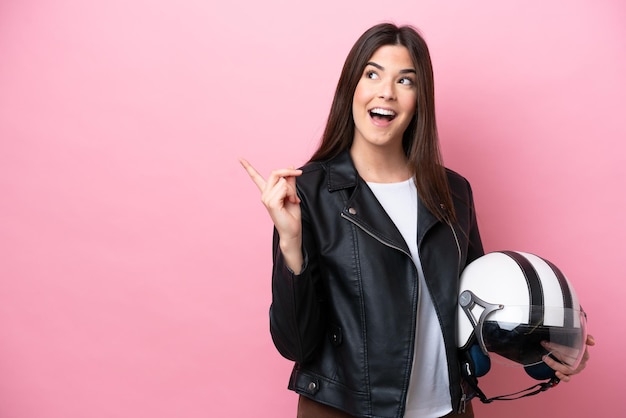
(406, 81)
(371, 75)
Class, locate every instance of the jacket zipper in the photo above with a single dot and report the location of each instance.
(463, 400)
(375, 237)
(419, 289)
(458, 246)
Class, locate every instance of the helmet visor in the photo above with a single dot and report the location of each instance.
(559, 332)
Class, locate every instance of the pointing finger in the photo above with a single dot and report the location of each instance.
(254, 175)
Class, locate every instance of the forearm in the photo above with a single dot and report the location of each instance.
(292, 253)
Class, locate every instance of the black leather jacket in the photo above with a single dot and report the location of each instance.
(348, 319)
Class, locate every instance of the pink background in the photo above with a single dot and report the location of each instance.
(134, 251)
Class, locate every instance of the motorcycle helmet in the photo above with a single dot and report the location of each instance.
(516, 308)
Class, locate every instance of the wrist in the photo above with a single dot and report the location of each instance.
(292, 253)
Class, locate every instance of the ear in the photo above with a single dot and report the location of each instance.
(479, 361)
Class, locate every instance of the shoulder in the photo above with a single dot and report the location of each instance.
(456, 181)
(313, 168)
(333, 174)
(313, 181)
(313, 173)
(460, 187)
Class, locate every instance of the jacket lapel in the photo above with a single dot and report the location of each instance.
(360, 204)
(425, 220)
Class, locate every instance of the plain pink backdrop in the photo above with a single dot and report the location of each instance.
(134, 251)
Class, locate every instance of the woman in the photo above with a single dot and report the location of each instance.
(370, 239)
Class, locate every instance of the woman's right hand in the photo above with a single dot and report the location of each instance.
(278, 194)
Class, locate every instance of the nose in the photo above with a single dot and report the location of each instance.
(387, 90)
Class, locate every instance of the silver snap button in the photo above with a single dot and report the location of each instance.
(352, 211)
(312, 386)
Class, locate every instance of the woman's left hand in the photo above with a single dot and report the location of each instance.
(563, 371)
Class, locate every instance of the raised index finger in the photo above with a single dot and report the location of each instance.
(254, 175)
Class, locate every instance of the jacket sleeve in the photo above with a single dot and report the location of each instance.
(296, 314)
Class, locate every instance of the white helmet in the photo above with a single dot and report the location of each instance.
(521, 308)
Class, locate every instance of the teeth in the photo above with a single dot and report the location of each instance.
(383, 112)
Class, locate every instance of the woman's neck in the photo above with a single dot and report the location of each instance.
(381, 165)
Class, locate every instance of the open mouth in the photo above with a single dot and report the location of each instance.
(382, 114)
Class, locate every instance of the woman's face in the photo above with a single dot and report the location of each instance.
(385, 98)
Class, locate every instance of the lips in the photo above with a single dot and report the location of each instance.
(379, 113)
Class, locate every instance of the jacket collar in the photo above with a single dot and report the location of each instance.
(341, 172)
(343, 175)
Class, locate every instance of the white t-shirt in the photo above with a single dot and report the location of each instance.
(429, 388)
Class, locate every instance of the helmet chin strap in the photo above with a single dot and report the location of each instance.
(472, 381)
(533, 390)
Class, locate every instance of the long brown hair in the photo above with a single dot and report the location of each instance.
(420, 140)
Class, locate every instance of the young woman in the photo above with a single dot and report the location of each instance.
(370, 239)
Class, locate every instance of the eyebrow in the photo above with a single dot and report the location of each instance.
(380, 67)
